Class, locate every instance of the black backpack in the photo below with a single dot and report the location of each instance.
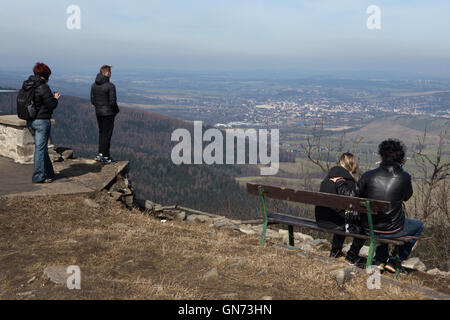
(26, 108)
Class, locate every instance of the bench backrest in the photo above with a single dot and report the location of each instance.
(319, 198)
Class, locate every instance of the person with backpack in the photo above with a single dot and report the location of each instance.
(341, 179)
(36, 103)
(103, 97)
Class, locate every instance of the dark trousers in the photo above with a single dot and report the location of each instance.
(105, 131)
(412, 227)
(338, 242)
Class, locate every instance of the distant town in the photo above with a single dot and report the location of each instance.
(232, 101)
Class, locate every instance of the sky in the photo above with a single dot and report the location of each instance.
(322, 36)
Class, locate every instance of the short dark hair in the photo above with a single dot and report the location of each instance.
(42, 70)
(392, 150)
(105, 68)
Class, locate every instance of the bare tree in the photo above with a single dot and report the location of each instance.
(322, 152)
(314, 148)
(431, 185)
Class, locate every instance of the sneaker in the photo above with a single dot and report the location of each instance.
(47, 180)
(357, 261)
(98, 157)
(390, 266)
(380, 265)
(106, 160)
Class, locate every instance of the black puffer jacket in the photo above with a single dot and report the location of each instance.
(334, 218)
(390, 183)
(43, 97)
(103, 96)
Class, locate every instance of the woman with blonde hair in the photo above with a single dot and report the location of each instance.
(341, 179)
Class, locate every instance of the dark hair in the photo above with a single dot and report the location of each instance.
(392, 150)
(42, 70)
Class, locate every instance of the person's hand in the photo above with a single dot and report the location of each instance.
(56, 95)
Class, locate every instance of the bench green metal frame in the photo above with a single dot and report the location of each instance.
(372, 239)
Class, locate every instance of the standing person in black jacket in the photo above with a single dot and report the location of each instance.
(45, 102)
(341, 180)
(390, 182)
(103, 97)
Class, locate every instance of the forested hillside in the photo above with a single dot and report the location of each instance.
(143, 138)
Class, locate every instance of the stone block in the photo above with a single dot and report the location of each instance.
(24, 137)
(16, 142)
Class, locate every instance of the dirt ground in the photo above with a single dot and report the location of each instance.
(126, 254)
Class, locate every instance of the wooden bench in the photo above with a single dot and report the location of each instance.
(361, 205)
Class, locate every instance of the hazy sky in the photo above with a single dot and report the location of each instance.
(321, 35)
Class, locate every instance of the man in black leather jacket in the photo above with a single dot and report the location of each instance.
(390, 182)
(103, 97)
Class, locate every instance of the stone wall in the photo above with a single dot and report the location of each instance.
(16, 141)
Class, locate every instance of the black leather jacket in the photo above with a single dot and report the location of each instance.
(103, 96)
(334, 218)
(44, 100)
(390, 183)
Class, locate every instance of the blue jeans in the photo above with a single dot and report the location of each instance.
(412, 227)
(43, 168)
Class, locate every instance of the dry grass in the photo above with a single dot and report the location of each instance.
(127, 255)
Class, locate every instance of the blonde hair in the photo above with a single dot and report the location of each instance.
(349, 162)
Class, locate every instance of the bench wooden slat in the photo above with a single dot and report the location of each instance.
(311, 224)
(307, 220)
(324, 200)
(319, 198)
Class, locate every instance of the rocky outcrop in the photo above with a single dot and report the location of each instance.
(343, 275)
(253, 227)
(437, 272)
(414, 264)
(60, 154)
(56, 274)
(122, 190)
(302, 241)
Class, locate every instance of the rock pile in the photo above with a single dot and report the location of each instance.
(60, 154)
(254, 227)
(122, 190)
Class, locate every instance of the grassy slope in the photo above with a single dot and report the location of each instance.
(127, 255)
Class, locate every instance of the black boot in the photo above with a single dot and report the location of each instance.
(336, 253)
(356, 260)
